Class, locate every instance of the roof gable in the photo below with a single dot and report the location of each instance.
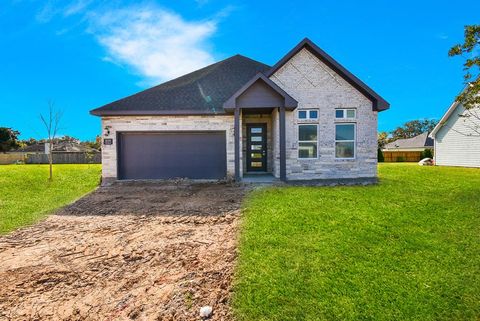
(446, 116)
(379, 104)
(261, 92)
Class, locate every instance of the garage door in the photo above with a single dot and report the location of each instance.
(162, 155)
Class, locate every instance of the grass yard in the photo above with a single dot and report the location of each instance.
(406, 249)
(26, 195)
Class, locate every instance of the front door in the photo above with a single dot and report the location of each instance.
(256, 147)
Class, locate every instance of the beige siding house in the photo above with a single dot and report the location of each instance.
(457, 138)
(305, 118)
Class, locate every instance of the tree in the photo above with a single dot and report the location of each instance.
(8, 139)
(380, 156)
(96, 144)
(382, 139)
(29, 142)
(470, 97)
(67, 139)
(414, 128)
(51, 122)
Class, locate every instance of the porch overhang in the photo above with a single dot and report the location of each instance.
(260, 94)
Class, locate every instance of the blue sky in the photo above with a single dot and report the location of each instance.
(85, 53)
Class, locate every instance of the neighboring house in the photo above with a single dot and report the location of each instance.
(408, 149)
(457, 138)
(305, 118)
(67, 147)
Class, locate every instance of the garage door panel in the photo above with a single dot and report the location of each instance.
(195, 155)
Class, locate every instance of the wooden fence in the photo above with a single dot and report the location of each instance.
(11, 158)
(396, 156)
(65, 158)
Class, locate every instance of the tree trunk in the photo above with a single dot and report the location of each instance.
(50, 161)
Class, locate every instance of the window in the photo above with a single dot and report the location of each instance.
(307, 141)
(308, 114)
(345, 141)
(349, 113)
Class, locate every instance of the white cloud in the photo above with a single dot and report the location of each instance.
(52, 8)
(76, 7)
(156, 43)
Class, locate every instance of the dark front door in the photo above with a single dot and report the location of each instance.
(166, 155)
(256, 147)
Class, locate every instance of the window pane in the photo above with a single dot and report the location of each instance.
(345, 132)
(351, 113)
(339, 113)
(256, 164)
(307, 132)
(307, 150)
(256, 147)
(256, 138)
(302, 114)
(344, 150)
(313, 114)
(256, 155)
(256, 130)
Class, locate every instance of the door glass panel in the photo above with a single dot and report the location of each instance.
(256, 155)
(256, 147)
(256, 138)
(256, 130)
(256, 164)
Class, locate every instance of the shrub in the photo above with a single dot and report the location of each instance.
(427, 153)
(380, 157)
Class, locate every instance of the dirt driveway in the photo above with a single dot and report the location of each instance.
(126, 252)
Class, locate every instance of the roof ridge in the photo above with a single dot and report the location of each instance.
(256, 61)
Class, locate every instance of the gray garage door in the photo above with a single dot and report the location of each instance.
(162, 155)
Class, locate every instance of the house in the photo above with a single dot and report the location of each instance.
(457, 137)
(408, 149)
(305, 118)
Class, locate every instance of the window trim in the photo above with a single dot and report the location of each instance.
(306, 141)
(346, 141)
(308, 114)
(345, 110)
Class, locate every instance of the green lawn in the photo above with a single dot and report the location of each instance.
(26, 195)
(406, 249)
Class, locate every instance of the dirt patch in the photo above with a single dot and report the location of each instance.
(126, 252)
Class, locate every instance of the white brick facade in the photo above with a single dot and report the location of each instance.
(316, 86)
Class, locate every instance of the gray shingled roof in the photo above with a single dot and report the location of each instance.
(201, 92)
(420, 141)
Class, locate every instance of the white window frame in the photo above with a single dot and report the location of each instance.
(346, 141)
(308, 114)
(345, 110)
(307, 141)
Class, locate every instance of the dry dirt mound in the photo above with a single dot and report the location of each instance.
(126, 252)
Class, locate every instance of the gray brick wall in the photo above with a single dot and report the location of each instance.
(316, 86)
